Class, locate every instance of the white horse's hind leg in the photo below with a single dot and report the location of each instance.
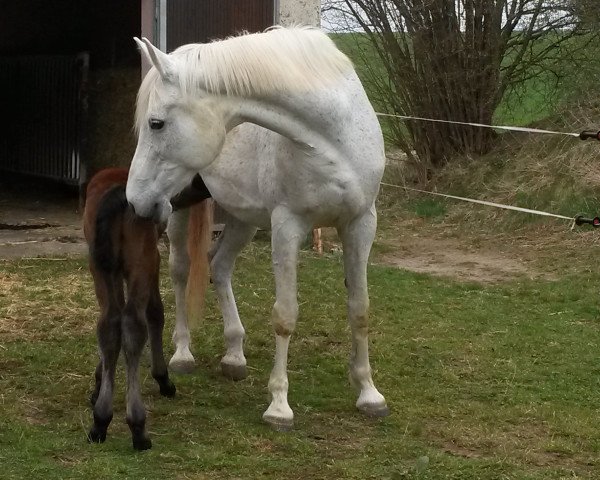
(179, 266)
(357, 238)
(235, 236)
(288, 233)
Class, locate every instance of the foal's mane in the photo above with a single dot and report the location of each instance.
(278, 60)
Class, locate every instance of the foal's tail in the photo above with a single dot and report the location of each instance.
(105, 251)
(199, 239)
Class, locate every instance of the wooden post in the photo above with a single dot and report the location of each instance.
(317, 243)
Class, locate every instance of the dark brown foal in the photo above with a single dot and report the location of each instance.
(124, 262)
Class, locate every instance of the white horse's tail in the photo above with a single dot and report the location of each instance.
(199, 239)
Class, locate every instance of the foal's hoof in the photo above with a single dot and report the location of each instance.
(96, 435)
(279, 424)
(143, 443)
(168, 389)
(139, 436)
(374, 410)
(234, 372)
(165, 385)
(98, 431)
(182, 366)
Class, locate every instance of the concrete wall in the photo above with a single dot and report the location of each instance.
(294, 12)
(148, 28)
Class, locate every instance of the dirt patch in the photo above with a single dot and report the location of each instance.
(450, 258)
(50, 224)
(531, 443)
(40, 247)
(473, 252)
(464, 257)
(451, 251)
(459, 451)
(39, 218)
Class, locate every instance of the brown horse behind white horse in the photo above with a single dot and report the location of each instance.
(124, 257)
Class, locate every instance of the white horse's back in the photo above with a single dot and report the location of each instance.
(335, 178)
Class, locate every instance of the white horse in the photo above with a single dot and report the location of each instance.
(280, 129)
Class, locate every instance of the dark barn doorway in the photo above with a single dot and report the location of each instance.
(68, 75)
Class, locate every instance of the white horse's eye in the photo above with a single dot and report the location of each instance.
(156, 124)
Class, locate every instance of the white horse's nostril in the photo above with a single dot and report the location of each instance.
(155, 213)
(151, 212)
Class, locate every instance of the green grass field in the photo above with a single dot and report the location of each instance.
(487, 382)
(484, 381)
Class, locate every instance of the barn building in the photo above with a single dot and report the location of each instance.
(69, 72)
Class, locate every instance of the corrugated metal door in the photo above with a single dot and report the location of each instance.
(42, 99)
(200, 21)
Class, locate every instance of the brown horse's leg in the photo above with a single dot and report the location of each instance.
(133, 341)
(98, 384)
(118, 296)
(108, 332)
(155, 317)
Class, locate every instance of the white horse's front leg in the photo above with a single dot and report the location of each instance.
(179, 266)
(235, 236)
(357, 238)
(288, 232)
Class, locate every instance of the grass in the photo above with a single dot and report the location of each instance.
(427, 208)
(535, 100)
(484, 382)
(556, 175)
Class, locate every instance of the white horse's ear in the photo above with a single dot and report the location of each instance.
(161, 61)
(143, 49)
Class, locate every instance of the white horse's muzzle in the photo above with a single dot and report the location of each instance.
(157, 211)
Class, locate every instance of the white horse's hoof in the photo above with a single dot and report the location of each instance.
(372, 403)
(374, 410)
(234, 372)
(279, 424)
(182, 365)
(279, 416)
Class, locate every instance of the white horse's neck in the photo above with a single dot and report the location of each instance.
(291, 123)
(302, 119)
(289, 81)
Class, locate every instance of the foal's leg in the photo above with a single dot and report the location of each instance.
(134, 339)
(235, 236)
(179, 265)
(288, 232)
(156, 320)
(108, 332)
(357, 238)
(118, 296)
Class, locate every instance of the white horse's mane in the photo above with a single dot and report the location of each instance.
(278, 60)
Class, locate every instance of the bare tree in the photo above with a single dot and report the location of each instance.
(587, 11)
(456, 59)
